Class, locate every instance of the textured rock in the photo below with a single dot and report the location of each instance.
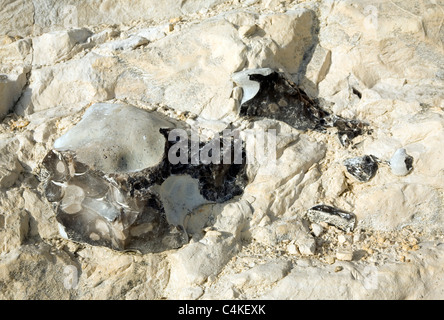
(51, 48)
(10, 167)
(327, 214)
(70, 86)
(36, 262)
(15, 227)
(264, 274)
(50, 15)
(174, 77)
(194, 263)
(116, 185)
(375, 69)
(11, 87)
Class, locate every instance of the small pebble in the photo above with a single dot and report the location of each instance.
(358, 237)
(342, 239)
(308, 248)
(246, 31)
(237, 93)
(344, 255)
(339, 268)
(401, 163)
(330, 259)
(291, 249)
(317, 229)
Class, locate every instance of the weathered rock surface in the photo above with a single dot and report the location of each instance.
(378, 63)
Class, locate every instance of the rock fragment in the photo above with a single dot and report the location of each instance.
(344, 255)
(114, 185)
(362, 168)
(401, 163)
(307, 246)
(336, 217)
(345, 239)
(292, 249)
(317, 229)
(11, 87)
(273, 95)
(57, 46)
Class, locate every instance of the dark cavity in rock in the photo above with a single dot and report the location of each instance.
(362, 168)
(280, 98)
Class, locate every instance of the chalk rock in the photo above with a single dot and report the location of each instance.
(50, 15)
(170, 72)
(316, 70)
(151, 34)
(14, 222)
(71, 85)
(287, 48)
(274, 183)
(10, 167)
(130, 43)
(288, 230)
(307, 246)
(38, 260)
(11, 87)
(195, 262)
(15, 53)
(317, 229)
(57, 46)
(344, 255)
(361, 34)
(394, 205)
(363, 281)
(263, 274)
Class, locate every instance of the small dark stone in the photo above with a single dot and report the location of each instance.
(362, 168)
(331, 215)
(357, 92)
(409, 163)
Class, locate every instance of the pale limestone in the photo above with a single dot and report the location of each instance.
(51, 48)
(11, 87)
(10, 167)
(383, 67)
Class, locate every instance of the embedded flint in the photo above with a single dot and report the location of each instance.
(333, 216)
(271, 94)
(114, 186)
(362, 168)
